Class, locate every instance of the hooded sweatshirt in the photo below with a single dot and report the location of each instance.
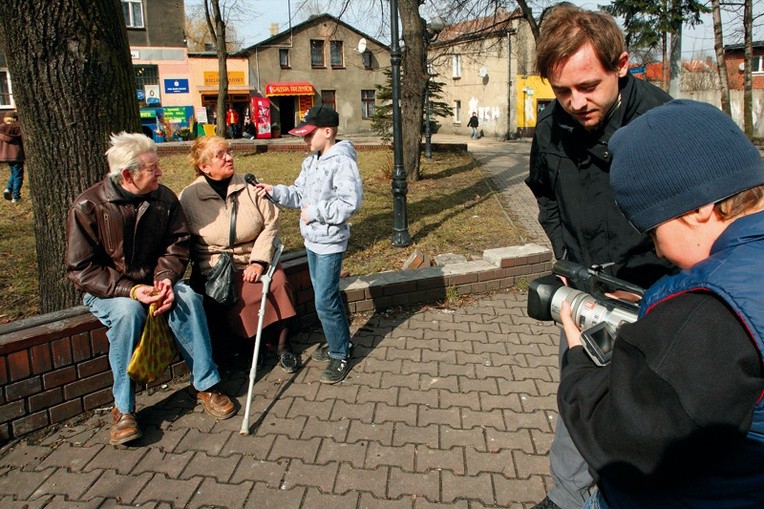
(330, 190)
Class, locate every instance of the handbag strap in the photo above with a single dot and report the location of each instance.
(232, 231)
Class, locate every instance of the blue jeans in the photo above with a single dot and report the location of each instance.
(325, 273)
(125, 318)
(572, 480)
(596, 501)
(474, 134)
(16, 180)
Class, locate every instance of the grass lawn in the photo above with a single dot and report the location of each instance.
(452, 209)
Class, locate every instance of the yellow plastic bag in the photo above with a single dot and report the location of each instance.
(155, 350)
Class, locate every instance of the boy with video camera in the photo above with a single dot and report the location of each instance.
(677, 418)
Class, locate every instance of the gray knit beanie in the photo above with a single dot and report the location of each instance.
(678, 157)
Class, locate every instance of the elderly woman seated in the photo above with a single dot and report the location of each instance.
(208, 203)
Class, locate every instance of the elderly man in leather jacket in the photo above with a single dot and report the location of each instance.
(128, 247)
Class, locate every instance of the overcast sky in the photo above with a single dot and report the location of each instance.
(256, 23)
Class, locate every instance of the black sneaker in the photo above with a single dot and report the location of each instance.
(546, 504)
(321, 354)
(336, 371)
(7, 194)
(288, 362)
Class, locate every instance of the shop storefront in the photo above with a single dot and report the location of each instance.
(290, 102)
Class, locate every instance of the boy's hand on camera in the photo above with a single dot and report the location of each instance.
(572, 333)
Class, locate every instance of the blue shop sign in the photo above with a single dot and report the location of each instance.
(176, 86)
(637, 70)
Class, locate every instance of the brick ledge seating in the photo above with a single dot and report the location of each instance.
(55, 366)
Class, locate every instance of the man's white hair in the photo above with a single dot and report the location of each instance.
(125, 151)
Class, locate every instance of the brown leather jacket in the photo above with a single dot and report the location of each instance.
(111, 245)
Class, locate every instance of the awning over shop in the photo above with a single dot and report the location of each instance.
(289, 88)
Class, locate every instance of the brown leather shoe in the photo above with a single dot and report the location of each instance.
(124, 428)
(216, 404)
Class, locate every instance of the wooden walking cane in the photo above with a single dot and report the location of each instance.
(266, 280)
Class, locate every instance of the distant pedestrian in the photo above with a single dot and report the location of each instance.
(473, 124)
(12, 152)
(232, 121)
(328, 191)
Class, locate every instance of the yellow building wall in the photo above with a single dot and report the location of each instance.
(530, 91)
(204, 77)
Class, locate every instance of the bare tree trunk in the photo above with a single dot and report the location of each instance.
(747, 75)
(528, 15)
(413, 84)
(216, 26)
(675, 80)
(721, 61)
(75, 85)
(664, 59)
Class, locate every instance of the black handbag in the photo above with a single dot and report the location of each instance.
(219, 285)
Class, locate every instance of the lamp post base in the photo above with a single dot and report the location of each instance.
(401, 238)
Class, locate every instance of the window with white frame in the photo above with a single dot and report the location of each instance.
(335, 53)
(133, 11)
(6, 92)
(457, 66)
(367, 103)
(317, 53)
(457, 112)
(757, 64)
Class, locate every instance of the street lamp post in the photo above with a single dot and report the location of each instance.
(401, 237)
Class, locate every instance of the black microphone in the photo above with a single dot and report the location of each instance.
(252, 181)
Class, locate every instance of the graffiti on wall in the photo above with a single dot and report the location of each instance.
(487, 115)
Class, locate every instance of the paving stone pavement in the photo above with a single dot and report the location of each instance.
(443, 408)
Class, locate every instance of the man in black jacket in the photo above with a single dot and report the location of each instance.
(583, 56)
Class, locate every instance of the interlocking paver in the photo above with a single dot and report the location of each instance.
(269, 472)
(424, 397)
(219, 467)
(414, 484)
(338, 430)
(263, 496)
(402, 456)
(378, 432)
(164, 489)
(215, 494)
(315, 498)
(70, 457)
(70, 484)
(443, 408)
(354, 453)
(22, 484)
(372, 481)
(124, 488)
(428, 458)
(399, 413)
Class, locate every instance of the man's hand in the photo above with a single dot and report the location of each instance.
(252, 273)
(304, 215)
(165, 296)
(571, 331)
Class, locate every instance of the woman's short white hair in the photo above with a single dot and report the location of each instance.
(125, 151)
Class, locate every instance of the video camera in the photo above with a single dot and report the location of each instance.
(598, 316)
